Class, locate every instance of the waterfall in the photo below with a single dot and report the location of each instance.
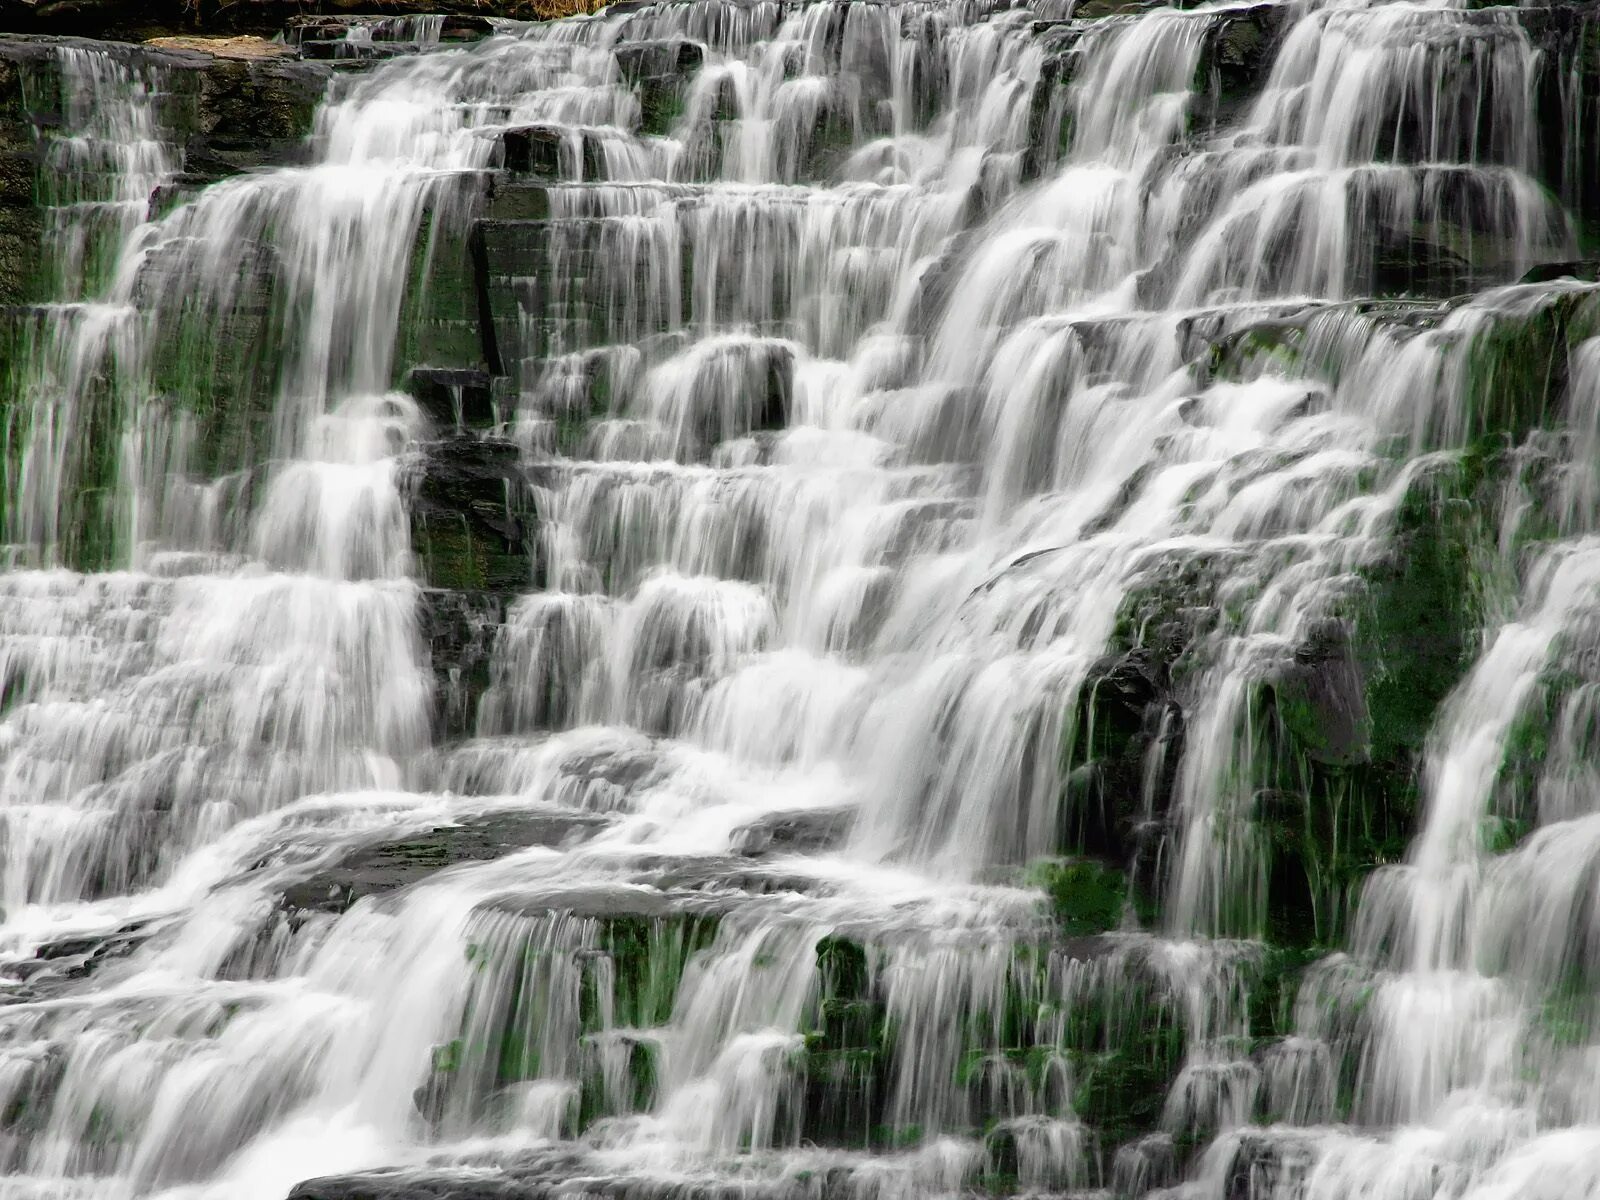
(798, 600)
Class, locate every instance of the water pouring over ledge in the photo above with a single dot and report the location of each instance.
(886, 600)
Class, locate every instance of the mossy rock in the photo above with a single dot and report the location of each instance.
(1084, 897)
(1319, 698)
(648, 955)
(535, 973)
(1516, 369)
(1344, 725)
(467, 534)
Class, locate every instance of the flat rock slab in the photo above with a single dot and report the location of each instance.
(389, 866)
(243, 47)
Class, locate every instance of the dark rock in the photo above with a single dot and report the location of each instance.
(660, 71)
(254, 113)
(667, 57)
(374, 870)
(58, 964)
(1585, 270)
(1404, 265)
(459, 628)
(1239, 58)
(1269, 1162)
(1093, 10)
(1126, 712)
(1321, 698)
(418, 1185)
(725, 877)
(466, 531)
(802, 832)
(533, 150)
(454, 398)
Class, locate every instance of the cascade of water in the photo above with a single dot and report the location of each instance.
(99, 171)
(934, 417)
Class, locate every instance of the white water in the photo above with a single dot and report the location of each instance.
(859, 515)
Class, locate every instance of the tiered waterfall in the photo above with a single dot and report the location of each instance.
(811, 601)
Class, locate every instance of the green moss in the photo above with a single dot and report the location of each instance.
(440, 317)
(1122, 1094)
(619, 973)
(660, 104)
(1084, 897)
(449, 556)
(1516, 367)
(1170, 605)
(648, 956)
(447, 1057)
(1275, 348)
(1338, 787)
(1273, 987)
(846, 1049)
(1415, 633)
(1567, 1017)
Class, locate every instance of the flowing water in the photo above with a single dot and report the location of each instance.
(911, 394)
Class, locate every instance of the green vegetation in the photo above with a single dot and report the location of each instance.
(1085, 897)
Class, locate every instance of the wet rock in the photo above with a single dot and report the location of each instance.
(22, 118)
(56, 965)
(345, 37)
(234, 103)
(1517, 364)
(374, 870)
(802, 832)
(21, 232)
(533, 150)
(1405, 265)
(614, 901)
(1320, 697)
(724, 875)
(660, 71)
(419, 1185)
(1585, 270)
(1126, 715)
(665, 57)
(455, 26)
(455, 399)
(466, 530)
(1239, 58)
(459, 628)
(1094, 10)
(253, 112)
(547, 1174)
(1346, 721)
(1269, 1162)
(517, 200)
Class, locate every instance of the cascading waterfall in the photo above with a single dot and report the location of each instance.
(1049, 644)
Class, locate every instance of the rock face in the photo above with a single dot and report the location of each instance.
(233, 104)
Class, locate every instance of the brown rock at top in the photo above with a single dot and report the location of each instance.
(245, 47)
